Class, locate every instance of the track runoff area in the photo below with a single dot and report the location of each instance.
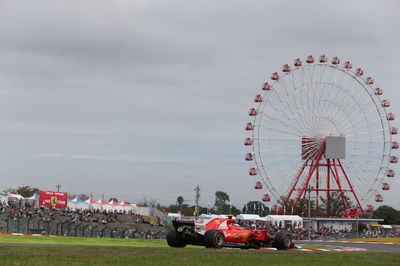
(299, 247)
(376, 245)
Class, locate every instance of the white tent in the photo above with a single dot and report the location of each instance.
(93, 205)
(77, 204)
(127, 207)
(104, 205)
(116, 206)
(211, 216)
(34, 197)
(15, 196)
(250, 217)
(282, 220)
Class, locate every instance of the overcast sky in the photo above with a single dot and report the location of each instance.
(149, 98)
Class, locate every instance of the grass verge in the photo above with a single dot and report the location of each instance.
(69, 240)
(100, 255)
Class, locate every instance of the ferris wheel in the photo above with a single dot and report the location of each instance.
(322, 127)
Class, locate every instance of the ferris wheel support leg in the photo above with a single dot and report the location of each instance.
(317, 189)
(344, 198)
(328, 195)
(314, 165)
(297, 179)
(351, 187)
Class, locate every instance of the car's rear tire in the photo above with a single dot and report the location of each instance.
(175, 240)
(283, 240)
(214, 239)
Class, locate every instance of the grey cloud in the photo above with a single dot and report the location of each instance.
(142, 92)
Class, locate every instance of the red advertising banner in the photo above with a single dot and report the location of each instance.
(53, 199)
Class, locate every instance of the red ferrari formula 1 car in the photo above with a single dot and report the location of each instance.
(224, 232)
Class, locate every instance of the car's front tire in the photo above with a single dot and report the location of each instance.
(283, 240)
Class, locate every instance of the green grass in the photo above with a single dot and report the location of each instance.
(113, 251)
(65, 240)
(69, 240)
(100, 255)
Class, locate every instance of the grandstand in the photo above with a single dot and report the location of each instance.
(22, 216)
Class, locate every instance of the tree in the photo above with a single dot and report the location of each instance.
(389, 214)
(114, 199)
(83, 196)
(147, 202)
(185, 209)
(221, 202)
(24, 191)
(72, 195)
(256, 207)
(179, 201)
(292, 206)
(287, 205)
(337, 206)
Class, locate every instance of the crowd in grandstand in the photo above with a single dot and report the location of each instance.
(26, 209)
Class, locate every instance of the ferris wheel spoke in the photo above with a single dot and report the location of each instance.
(343, 87)
(286, 125)
(284, 183)
(368, 141)
(317, 91)
(368, 151)
(292, 102)
(281, 131)
(311, 152)
(282, 158)
(278, 171)
(361, 183)
(332, 120)
(306, 94)
(341, 100)
(286, 109)
(365, 133)
(366, 124)
(277, 148)
(365, 161)
(360, 168)
(298, 106)
(274, 173)
(274, 139)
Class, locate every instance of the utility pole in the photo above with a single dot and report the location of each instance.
(309, 211)
(58, 187)
(197, 197)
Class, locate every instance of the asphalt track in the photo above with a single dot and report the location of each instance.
(376, 247)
